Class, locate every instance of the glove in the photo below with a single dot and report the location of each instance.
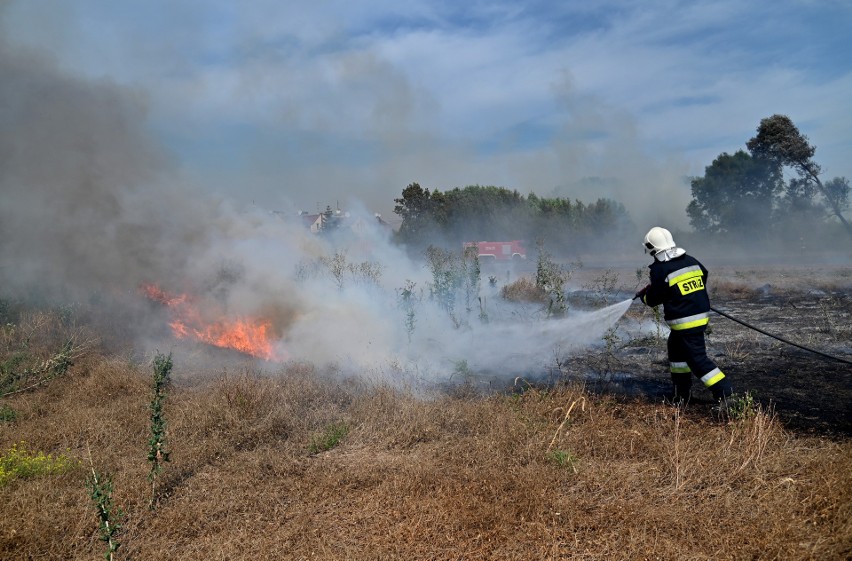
(642, 293)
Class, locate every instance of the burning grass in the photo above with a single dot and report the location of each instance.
(253, 336)
(297, 464)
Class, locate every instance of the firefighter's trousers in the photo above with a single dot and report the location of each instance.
(688, 357)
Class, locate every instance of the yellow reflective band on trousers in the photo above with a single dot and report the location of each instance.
(689, 321)
(712, 377)
(680, 368)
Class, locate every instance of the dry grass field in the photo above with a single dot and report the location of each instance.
(297, 464)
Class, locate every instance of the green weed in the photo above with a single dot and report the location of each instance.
(658, 321)
(563, 458)
(463, 371)
(328, 438)
(472, 281)
(18, 462)
(741, 406)
(446, 279)
(7, 414)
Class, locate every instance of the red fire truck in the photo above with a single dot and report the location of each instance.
(499, 251)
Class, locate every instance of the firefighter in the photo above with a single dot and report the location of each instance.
(678, 283)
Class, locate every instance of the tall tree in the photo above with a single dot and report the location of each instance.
(415, 208)
(736, 194)
(485, 212)
(779, 141)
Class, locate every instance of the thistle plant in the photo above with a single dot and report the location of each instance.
(641, 276)
(611, 340)
(551, 278)
(340, 269)
(472, 278)
(406, 302)
(109, 517)
(483, 312)
(446, 279)
(157, 452)
(602, 286)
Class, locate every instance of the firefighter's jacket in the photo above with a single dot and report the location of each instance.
(678, 284)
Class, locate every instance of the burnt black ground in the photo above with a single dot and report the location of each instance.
(809, 393)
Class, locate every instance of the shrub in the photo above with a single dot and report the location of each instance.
(524, 290)
(24, 364)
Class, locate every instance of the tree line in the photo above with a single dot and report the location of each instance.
(489, 213)
(771, 191)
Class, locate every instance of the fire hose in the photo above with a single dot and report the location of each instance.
(820, 353)
(741, 322)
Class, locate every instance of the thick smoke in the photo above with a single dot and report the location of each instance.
(84, 197)
(92, 206)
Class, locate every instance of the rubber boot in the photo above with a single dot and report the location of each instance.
(682, 387)
(722, 389)
(681, 394)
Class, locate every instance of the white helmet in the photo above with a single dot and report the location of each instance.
(658, 239)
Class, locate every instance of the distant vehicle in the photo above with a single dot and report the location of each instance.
(499, 251)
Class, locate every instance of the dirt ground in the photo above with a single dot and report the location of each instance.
(810, 306)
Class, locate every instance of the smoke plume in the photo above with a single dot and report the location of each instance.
(92, 205)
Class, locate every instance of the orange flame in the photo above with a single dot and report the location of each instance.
(247, 335)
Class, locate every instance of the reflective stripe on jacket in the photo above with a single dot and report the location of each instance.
(679, 285)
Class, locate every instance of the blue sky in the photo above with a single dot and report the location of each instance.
(294, 105)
